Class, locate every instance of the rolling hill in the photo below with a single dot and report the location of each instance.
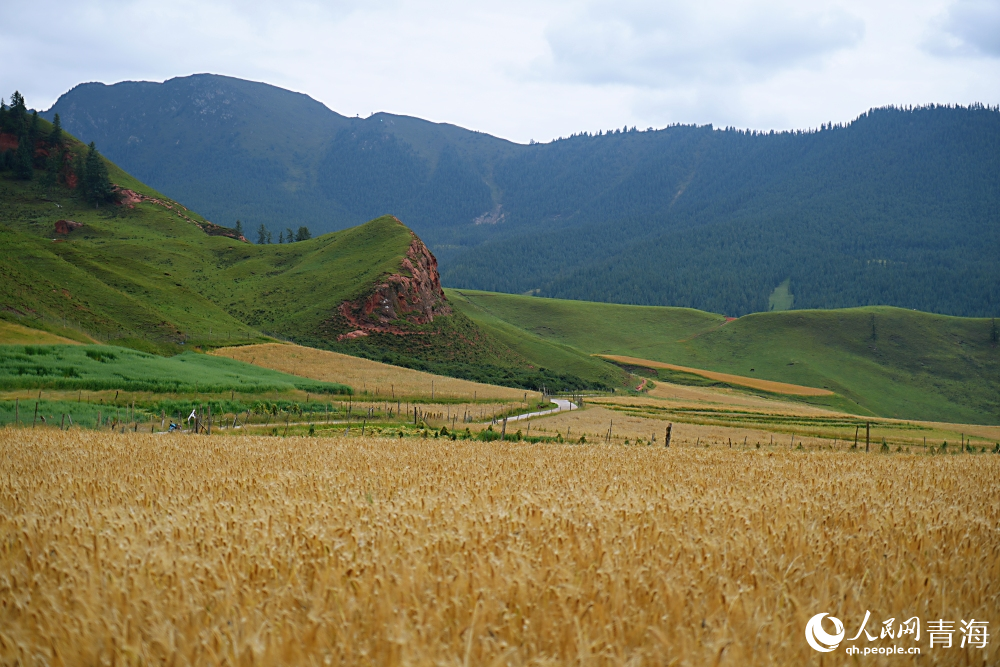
(878, 360)
(148, 273)
(900, 207)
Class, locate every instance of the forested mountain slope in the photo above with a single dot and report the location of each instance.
(900, 207)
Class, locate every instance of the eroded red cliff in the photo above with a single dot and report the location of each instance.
(399, 299)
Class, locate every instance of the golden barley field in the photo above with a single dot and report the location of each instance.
(756, 383)
(720, 416)
(364, 375)
(192, 550)
(12, 333)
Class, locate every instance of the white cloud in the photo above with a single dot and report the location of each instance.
(527, 69)
(659, 44)
(968, 28)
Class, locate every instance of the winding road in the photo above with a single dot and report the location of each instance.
(561, 405)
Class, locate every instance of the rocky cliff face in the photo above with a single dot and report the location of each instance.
(399, 300)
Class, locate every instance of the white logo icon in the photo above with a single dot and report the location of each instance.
(819, 639)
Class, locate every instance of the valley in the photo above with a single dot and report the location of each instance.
(225, 452)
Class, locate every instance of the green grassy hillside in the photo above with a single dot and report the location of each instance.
(911, 365)
(146, 273)
(157, 277)
(536, 337)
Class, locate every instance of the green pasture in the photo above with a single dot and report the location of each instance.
(885, 361)
(781, 298)
(106, 367)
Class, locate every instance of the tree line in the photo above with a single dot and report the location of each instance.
(43, 147)
(265, 237)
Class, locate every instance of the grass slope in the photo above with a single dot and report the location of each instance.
(149, 278)
(150, 272)
(916, 366)
(292, 288)
(542, 338)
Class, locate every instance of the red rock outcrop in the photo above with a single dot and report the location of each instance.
(399, 299)
(67, 226)
(130, 198)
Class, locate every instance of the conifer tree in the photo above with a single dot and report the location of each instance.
(79, 169)
(289, 235)
(262, 235)
(281, 237)
(96, 183)
(22, 160)
(53, 166)
(239, 228)
(17, 114)
(55, 136)
(303, 234)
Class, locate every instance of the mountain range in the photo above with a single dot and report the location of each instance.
(88, 252)
(898, 207)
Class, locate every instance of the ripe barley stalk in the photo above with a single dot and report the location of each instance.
(142, 549)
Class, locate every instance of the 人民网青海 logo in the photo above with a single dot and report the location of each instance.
(819, 638)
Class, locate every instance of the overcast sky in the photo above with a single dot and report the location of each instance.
(534, 69)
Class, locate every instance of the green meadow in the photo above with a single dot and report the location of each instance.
(107, 367)
(878, 360)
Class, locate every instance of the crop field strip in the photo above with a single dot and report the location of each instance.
(724, 417)
(754, 383)
(152, 413)
(782, 417)
(721, 398)
(365, 375)
(594, 422)
(99, 367)
(138, 549)
(12, 333)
